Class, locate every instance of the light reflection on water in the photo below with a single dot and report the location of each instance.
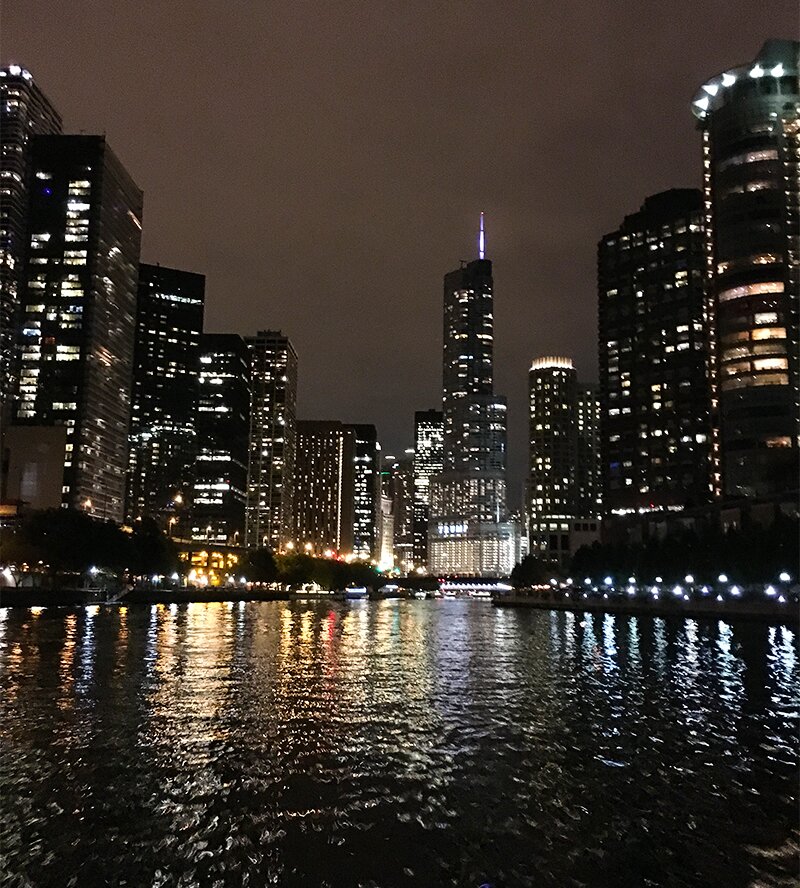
(394, 743)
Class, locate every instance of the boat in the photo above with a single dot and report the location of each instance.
(421, 594)
(311, 590)
(356, 593)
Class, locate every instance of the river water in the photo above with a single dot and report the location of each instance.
(430, 743)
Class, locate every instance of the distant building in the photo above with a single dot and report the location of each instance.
(655, 402)
(24, 112)
(385, 554)
(397, 482)
(428, 462)
(750, 123)
(163, 432)
(79, 314)
(273, 410)
(366, 492)
(324, 487)
(590, 479)
(223, 426)
(469, 531)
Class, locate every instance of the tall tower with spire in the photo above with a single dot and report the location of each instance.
(468, 532)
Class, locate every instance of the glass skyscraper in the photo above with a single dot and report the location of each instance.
(163, 436)
(78, 321)
(750, 122)
(469, 533)
(428, 462)
(24, 112)
(273, 430)
(366, 492)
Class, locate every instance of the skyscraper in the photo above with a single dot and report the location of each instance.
(273, 411)
(78, 321)
(24, 112)
(428, 462)
(563, 457)
(223, 428)
(365, 495)
(653, 351)
(324, 486)
(468, 532)
(163, 437)
(750, 122)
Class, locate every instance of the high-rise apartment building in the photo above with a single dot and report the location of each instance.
(469, 532)
(273, 411)
(653, 347)
(428, 462)
(750, 122)
(563, 457)
(324, 486)
(24, 112)
(365, 491)
(163, 432)
(223, 426)
(78, 322)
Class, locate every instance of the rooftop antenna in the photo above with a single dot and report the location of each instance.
(482, 241)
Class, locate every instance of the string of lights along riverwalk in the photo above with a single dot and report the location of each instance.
(119, 406)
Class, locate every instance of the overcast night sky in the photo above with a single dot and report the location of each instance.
(324, 164)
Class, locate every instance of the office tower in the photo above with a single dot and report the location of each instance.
(397, 483)
(428, 462)
(78, 324)
(166, 362)
(590, 480)
(365, 495)
(324, 487)
(24, 112)
(750, 122)
(273, 380)
(469, 532)
(223, 426)
(563, 466)
(385, 546)
(655, 403)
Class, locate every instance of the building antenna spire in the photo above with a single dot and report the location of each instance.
(482, 241)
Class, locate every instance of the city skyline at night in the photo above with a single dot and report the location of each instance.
(548, 196)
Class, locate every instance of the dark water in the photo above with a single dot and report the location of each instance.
(394, 743)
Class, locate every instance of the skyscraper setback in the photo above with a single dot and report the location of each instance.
(24, 112)
(77, 322)
(751, 165)
(469, 532)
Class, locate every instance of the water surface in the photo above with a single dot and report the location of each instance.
(440, 743)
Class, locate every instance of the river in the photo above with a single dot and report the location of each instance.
(394, 743)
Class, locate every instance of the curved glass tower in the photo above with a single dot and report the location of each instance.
(750, 120)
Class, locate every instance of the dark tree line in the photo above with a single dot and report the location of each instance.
(263, 566)
(68, 541)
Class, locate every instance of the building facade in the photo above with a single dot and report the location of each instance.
(469, 532)
(78, 314)
(428, 463)
(749, 117)
(219, 484)
(563, 466)
(273, 421)
(324, 487)
(365, 491)
(163, 433)
(654, 333)
(24, 112)
(397, 484)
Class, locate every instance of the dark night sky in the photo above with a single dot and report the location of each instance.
(324, 163)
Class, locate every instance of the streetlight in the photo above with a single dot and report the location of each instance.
(785, 576)
(172, 522)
